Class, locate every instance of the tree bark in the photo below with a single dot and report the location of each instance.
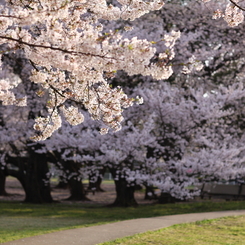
(32, 174)
(76, 190)
(2, 183)
(124, 192)
(36, 182)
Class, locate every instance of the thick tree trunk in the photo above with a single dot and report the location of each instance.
(36, 184)
(2, 184)
(77, 190)
(124, 194)
(32, 174)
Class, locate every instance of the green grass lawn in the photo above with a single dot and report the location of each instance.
(227, 230)
(18, 220)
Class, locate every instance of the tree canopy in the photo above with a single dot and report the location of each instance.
(66, 61)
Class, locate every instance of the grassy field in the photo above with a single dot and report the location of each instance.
(227, 230)
(18, 220)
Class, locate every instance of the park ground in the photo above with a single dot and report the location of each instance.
(13, 187)
(18, 220)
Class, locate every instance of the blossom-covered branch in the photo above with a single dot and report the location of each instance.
(233, 13)
(65, 42)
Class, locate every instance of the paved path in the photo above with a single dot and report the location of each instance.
(102, 233)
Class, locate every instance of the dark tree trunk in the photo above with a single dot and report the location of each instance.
(77, 190)
(36, 182)
(2, 183)
(2, 168)
(124, 192)
(32, 174)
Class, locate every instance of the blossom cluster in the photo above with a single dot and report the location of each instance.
(71, 55)
(232, 14)
(8, 81)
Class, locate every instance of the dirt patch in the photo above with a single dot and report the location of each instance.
(16, 193)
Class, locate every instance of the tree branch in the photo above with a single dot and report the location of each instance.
(238, 6)
(53, 48)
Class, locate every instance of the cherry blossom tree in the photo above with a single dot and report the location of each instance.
(189, 130)
(71, 56)
(93, 153)
(179, 138)
(74, 153)
(2, 167)
(19, 157)
(220, 49)
(124, 155)
(198, 137)
(223, 59)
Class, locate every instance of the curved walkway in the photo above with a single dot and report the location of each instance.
(103, 233)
